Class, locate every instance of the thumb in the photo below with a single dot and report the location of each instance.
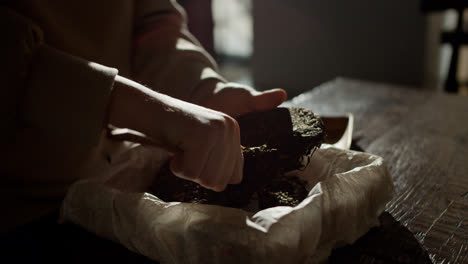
(267, 100)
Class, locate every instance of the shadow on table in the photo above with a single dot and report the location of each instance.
(389, 243)
(45, 241)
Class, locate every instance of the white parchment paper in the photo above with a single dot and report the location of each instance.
(348, 190)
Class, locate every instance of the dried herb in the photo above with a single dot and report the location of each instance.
(274, 142)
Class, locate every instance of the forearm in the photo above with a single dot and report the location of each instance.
(206, 143)
(167, 58)
(135, 107)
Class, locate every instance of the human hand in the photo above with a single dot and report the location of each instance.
(236, 99)
(208, 141)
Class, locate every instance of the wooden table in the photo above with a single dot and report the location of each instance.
(423, 136)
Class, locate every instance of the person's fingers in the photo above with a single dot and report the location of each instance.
(222, 160)
(189, 163)
(177, 165)
(237, 159)
(214, 174)
(237, 173)
(267, 100)
(223, 157)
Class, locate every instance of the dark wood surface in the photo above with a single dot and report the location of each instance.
(423, 136)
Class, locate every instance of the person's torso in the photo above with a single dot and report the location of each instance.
(99, 31)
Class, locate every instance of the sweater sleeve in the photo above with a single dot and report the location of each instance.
(60, 95)
(167, 58)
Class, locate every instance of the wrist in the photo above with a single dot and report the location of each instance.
(129, 103)
(205, 89)
(141, 109)
(114, 110)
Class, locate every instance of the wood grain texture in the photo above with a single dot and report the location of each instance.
(423, 136)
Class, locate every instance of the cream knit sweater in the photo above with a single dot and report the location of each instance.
(59, 60)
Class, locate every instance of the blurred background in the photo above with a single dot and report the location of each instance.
(299, 44)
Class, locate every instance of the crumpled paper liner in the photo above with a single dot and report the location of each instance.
(348, 191)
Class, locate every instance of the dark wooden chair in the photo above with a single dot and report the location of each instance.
(455, 38)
